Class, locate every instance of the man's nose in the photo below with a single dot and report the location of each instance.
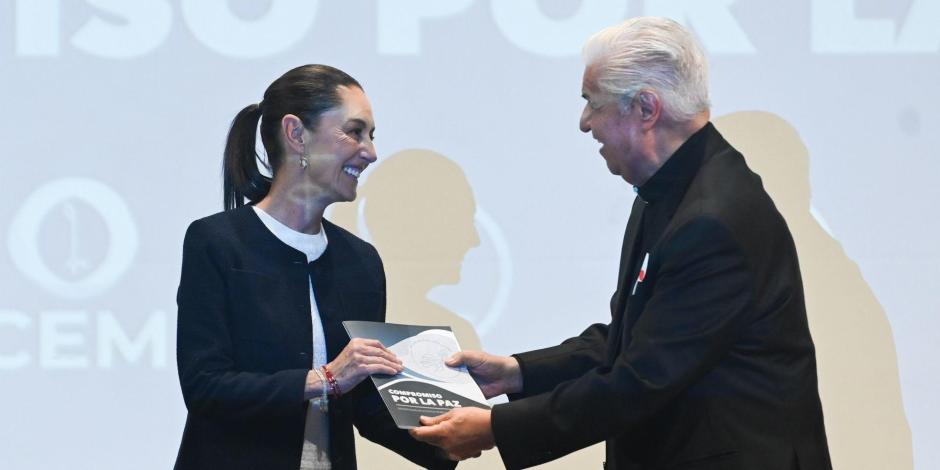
(585, 123)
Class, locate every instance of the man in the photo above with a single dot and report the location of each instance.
(707, 362)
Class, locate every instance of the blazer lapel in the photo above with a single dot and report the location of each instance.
(624, 285)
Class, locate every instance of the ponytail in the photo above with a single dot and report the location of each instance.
(240, 175)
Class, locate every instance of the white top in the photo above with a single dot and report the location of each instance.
(315, 454)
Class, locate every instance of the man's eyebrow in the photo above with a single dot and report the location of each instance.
(585, 96)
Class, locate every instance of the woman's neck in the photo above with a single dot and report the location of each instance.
(301, 212)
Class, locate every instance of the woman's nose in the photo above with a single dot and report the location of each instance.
(367, 151)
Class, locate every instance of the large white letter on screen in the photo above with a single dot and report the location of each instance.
(835, 29)
(717, 28)
(921, 31)
(526, 26)
(399, 22)
(284, 25)
(112, 338)
(20, 321)
(37, 27)
(143, 27)
(54, 337)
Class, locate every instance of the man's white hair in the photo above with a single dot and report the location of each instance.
(651, 53)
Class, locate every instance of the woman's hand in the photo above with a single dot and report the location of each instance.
(361, 358)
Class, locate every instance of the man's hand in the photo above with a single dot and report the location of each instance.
(462, 432)
(495, 375)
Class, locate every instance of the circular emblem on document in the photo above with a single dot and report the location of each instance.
(429, 353)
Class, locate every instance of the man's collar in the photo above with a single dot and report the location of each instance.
(679, 168)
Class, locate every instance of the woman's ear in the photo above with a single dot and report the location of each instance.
(292, 131)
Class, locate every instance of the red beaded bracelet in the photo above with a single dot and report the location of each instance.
(332, 380)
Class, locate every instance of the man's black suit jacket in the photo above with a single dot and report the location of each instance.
(707, 362)
(244, 345)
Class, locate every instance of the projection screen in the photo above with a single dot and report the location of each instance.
(115, 114)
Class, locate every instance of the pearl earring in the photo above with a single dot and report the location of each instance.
(303, 161)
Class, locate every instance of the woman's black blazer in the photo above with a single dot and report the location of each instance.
(244, 345)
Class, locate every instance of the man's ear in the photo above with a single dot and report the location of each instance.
(292, 131)
(651, 107)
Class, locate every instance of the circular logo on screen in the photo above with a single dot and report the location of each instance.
(74, 237)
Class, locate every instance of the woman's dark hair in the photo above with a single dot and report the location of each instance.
(306, 92)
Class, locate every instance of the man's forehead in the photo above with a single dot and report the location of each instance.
(589, 77)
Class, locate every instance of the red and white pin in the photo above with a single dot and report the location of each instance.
(640, 277)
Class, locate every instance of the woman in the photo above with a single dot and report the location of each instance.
(267, 373)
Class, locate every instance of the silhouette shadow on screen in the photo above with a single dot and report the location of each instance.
(418, 210)
(857, 362)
